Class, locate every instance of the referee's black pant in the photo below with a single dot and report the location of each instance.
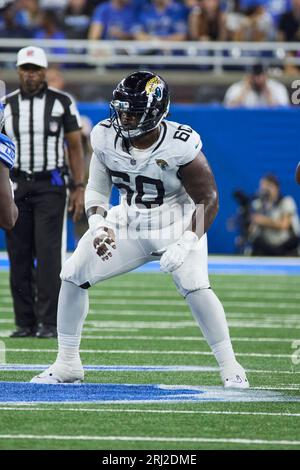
(35, 251)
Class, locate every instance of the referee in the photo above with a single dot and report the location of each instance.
(40, 121)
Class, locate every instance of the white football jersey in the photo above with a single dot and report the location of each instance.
(148, 179)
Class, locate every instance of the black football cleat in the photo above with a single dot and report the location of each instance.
(45, 331)
(23, 332)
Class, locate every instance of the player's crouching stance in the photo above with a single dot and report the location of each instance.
(159, 168)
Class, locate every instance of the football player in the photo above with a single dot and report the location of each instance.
(8, 209)
(169, 201)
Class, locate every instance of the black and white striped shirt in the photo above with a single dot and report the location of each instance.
(37, 125)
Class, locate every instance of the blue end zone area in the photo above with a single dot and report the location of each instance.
(225, 265)
(15, 392)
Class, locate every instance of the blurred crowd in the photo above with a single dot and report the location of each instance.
(209, 20)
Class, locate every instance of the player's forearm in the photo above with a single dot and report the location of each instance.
(94, 199)
(96, 206)
(8, 209)
(8, 213)
(204, 215)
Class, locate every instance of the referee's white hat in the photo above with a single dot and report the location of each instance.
(32, 55)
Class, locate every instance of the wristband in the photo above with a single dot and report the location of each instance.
(78, 185)
(189, 237)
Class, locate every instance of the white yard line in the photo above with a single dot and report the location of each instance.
(32, 407)
(224, 294)
(95, 325)
(5, 333)
(187, 338)
(142, 368)
(171, 293)
(181, 303)
(140, 351)
(181, 325)
(55, 437)
(216, 284)
(291, 387)
(247, 316)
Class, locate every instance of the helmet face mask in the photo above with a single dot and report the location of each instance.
(140, 102)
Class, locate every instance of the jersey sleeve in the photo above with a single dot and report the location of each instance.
(99, 185)
(98, 138)
(99, 14)
(7, 151)
(187, 143)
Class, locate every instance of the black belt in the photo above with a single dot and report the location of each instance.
(35, 175)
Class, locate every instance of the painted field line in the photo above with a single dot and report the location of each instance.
(246, 316)
(181, 303)
(91, 327)
(173, 326)
(32, 407)
(138, 351)
(181, 324)
(261, 371)
(6, 333)
(187, 338)
(135, 326)
(216, 284)
(141, 368)
(56, 437)
(292, 387)
(171, 293)
(280, 291)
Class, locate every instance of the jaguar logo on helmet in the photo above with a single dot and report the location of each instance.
(154, 87)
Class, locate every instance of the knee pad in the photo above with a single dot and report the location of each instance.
(190, 280)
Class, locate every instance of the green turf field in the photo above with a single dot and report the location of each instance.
(139, 319)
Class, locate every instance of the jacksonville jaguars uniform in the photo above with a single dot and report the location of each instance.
(154, 217)
(154, 210)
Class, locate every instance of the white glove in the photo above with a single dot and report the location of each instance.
(176, 253)
(103, 236)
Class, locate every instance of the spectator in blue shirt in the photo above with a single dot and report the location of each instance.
(274, 7)
(11, 22)
(30, 12)
(162, 19)
(50, 29)
(113, 20)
